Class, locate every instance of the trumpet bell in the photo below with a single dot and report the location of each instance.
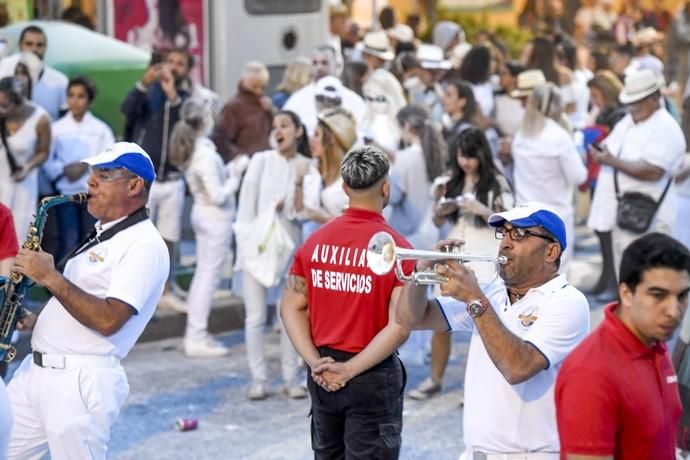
(381, 253)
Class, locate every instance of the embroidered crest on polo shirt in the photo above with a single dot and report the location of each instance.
(528, 316)
(97, 255)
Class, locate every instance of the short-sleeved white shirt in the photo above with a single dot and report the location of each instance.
(547, 168)
(657, 140)
(50, 92)
(505, 418)
(132, 266)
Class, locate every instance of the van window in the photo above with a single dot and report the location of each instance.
(282, 6)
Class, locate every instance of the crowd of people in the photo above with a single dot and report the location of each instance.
(451, 141)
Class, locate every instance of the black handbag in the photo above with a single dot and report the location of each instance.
(636, 210)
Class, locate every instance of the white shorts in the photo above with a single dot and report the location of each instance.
(69, 411)
(166, 203)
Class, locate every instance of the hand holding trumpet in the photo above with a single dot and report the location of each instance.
(461, 281)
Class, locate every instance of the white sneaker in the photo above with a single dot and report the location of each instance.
(427, 389)
(170, 301)
(294, 391)
(257, 392)
(208, 348)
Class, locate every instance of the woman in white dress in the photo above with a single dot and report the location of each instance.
(273, 176)
(25, 130)
(213, 190)
(474, 190)
(323, 196)
(384, 98)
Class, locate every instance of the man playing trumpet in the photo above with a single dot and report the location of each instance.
(523, 325)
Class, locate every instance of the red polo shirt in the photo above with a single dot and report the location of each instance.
(348, 303)
(8, 238)
(616, 396)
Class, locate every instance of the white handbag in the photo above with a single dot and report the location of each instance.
(264, 246)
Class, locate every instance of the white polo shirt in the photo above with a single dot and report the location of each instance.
(504, 418)
(132, 266)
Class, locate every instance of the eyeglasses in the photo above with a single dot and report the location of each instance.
(380, 99)
(110, 174)
(519, 234)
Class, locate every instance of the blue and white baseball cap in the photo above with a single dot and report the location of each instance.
(126, 155)
(532, 214)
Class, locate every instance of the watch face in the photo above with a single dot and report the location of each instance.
(476, 308)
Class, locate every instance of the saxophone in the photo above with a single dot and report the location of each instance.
(13, 289)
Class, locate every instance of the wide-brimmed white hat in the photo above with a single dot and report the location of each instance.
(377, 44)
(638, 85)
(527, 81)
(431, 57)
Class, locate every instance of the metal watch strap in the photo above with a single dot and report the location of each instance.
(477, 307)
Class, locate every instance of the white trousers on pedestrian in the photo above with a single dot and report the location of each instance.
(622, 238)
(22, 199)
(166, 203)
(5, 420)
(67, 411)
(213, 233)
(254, 294)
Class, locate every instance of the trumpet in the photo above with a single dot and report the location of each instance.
(383, 256)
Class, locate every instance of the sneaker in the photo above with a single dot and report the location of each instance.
(257, 392)
(170, 301)
(208, 348)
(425, 390)
(294, 391)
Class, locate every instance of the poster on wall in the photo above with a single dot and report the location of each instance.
(157, 26)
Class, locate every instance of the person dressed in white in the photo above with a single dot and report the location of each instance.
(523, 326)
(323, 197)
(27, 145)
(303, 101)
(409, 208)
(66, 395)
(76, 136)
(384, 100)
(213, 191)
(645, 150)
(271, 180)
(547, 166)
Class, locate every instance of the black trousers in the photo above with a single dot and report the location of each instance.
(363, 420)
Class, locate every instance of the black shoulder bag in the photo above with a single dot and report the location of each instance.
(636, 210)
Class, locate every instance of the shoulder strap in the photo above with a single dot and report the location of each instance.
(93, 239)
(14, 167)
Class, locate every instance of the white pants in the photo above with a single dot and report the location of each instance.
(21, 198)
(5, 420)
(254, 294)
(166, 203)
(681, 230)
(213, 236)
(622, 239)
(69, 411)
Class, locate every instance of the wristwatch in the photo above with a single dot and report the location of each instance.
(476, 308)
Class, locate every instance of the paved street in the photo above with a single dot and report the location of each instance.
(166, 385)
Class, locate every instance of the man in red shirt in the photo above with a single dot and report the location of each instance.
(340, 317)
(8, 241)
(617, 392)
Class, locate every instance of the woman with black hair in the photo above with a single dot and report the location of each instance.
(273, 178)
(476, 70)
(460, 109)
(474, 190)
(25, 132)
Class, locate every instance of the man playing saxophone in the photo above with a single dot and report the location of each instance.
(66, 395)
(523, 326)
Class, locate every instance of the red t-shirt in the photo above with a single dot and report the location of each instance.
(348, 303)
(616, 396)
(8, 237)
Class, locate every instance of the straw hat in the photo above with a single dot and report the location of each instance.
(342, 125)
(647, 36)
(431, 57)
(527, 81)
(638, 85)
(377, 44)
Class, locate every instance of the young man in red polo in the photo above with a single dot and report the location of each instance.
(617, 393)
(340, 317)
